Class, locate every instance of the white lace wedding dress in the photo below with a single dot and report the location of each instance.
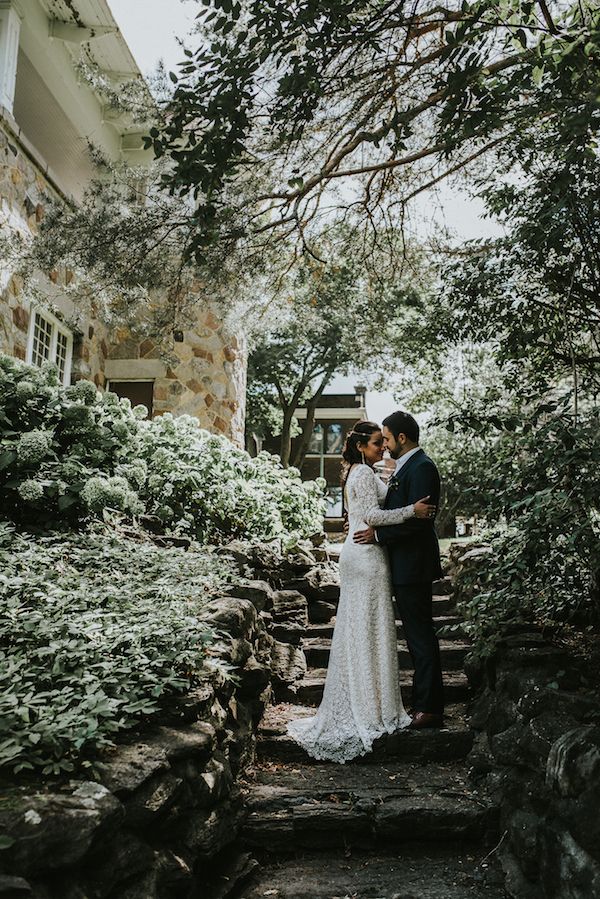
(361, 700)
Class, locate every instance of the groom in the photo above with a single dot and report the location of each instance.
(415, 562)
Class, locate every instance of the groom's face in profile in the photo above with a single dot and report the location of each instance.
(395, 446)
(390, 443)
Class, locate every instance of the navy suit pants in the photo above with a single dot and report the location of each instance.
(414, 603)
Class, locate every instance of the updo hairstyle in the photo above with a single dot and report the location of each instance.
(359, 434)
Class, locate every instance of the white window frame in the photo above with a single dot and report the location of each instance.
(57, 327)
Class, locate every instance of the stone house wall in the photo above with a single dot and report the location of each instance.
(203, 375)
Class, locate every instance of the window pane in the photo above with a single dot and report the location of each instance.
(335, 439)
(62, 345)
(42, 339)
(311, 468)
(316, 441)
(333, 498)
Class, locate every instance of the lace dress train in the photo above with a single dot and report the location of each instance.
(361, 699)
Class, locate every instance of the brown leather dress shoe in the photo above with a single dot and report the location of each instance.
(426, 719)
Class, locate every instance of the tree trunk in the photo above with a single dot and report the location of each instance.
(285, 442)
(311, 408)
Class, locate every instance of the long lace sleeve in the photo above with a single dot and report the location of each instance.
(366, 501)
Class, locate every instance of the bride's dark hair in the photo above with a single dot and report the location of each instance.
(351, 454)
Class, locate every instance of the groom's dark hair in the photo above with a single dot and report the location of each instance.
(402, 423)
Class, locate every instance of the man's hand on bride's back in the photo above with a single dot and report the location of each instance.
(424, 509)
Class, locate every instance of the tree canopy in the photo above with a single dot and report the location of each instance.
(289, 114)
(336, 320)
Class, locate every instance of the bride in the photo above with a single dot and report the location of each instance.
(361, 700)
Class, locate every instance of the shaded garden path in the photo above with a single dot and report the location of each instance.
(403, 821)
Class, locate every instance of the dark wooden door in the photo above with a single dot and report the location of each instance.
(136, 392)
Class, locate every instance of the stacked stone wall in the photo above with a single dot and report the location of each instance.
(203, 375)
(24, 192)
(537, 747)
(160, 816)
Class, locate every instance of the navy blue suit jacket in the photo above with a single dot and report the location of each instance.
(413, 546)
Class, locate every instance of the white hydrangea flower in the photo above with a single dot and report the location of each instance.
(86, 390)
(31, 491)
(25, 390)
(33, 446)
(134, 472)
(115, 493)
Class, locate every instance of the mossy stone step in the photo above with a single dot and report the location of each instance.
(441, 605)
(451, 742)
(326, 806)
(449, 627)
(445, 872)
(309, 691)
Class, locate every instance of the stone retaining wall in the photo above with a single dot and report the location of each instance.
(161, 819)
(537, 746)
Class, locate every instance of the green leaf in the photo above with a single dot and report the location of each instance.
(7, 458)
(66, 501)
(537, 75)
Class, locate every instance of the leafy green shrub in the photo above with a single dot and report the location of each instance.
(542, 489)
(95, 629)
(69, 453)
(55, 439)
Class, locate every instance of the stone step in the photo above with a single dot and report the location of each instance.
(451, 742)
(326, 806)
(441, 604)
(322, 612)
(317, 651)
(443, 587)
(448, 626)
(434, 873)
(309, 690)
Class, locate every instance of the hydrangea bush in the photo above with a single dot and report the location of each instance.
(69, 453)
(199, 483)
(95, 629)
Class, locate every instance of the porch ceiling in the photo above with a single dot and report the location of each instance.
(61, 145)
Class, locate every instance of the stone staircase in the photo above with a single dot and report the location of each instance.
(401, 822)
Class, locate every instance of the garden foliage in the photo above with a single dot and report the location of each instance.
(67, 454)
(541, 490)
(95, 630)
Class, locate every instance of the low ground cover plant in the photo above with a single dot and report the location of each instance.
(96, 629)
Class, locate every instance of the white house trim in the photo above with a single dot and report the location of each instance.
(10, 28)
(353, 414)
(75, 34)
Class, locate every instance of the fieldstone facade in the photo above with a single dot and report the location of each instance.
(203, 374)
(200, 371)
